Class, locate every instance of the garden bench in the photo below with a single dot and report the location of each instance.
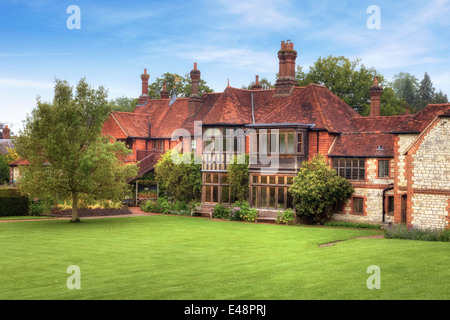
(271, 216)
(203, 211)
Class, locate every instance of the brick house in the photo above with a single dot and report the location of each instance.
(399, 165)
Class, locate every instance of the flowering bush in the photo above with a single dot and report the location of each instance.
(285, 217)
(235, 214)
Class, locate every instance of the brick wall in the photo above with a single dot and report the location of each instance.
(110, 127)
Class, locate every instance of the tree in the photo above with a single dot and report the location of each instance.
(426, 90)
(264, 83)
(68, 155)
(4, 169)
(182, 179)
(123, 104)
(349, 80)
(182, 86)
(238, 178)
(439, 97)
(405, 87)
(316, 188)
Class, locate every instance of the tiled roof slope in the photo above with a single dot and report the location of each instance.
(133, 124)
(363, 145)
(422, 119)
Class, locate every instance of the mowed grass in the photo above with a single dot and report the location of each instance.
(184, 258)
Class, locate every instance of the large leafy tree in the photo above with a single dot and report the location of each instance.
(175, 83)
(349, 80)
(69, 157)
(123, 104)
(316, 188)
(180, 179)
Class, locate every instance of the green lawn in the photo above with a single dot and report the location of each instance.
(176, 257)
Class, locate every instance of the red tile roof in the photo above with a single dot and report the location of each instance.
(132, 124)
(422, 119)
(363, 145)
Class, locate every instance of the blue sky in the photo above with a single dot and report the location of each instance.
(229, 39)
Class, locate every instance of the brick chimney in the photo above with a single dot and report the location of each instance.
(194, 99)
(6, 132)
(256, 85)
(286, 75)
(164, 92)
(375, 98)
(143, 98)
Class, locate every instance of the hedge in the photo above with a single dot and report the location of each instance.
(12, 203)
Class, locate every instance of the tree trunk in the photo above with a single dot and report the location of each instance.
(75, 207)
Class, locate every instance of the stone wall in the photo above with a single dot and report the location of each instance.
(430, 177)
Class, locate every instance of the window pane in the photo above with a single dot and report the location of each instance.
(335, 162)
(289, 203)
(215, 194)
(355, 174)
(280, 180)
(290, 180)
(273, 143)
(255, 179)
(361, 174)
(254, 193)
(263, 202)
(208, 194)
(272, 197)
(225, 194)
(358, 205)
(348, 173)
(280, 198)
(282, 143)
(263, 143)
(224, 178)
(290, 143)
(355, 163)
(263, 179)
(383, 168)
(300, 143)
(208, 178)
(215, 178)
(272, 179)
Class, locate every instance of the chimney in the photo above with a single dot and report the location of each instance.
(375, 98)
(143, 98)
(194, 99)
(256, 85)
(6, 132)
(164, 92)
(286, 76)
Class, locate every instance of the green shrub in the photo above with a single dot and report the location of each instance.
(221, 212)
(162, 205)
(38, 207)
(285, 217)
(12, 203)
(403, 232)
(345, 224)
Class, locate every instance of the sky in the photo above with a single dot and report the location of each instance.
(231, 40)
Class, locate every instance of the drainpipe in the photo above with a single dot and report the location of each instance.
(390, 187)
